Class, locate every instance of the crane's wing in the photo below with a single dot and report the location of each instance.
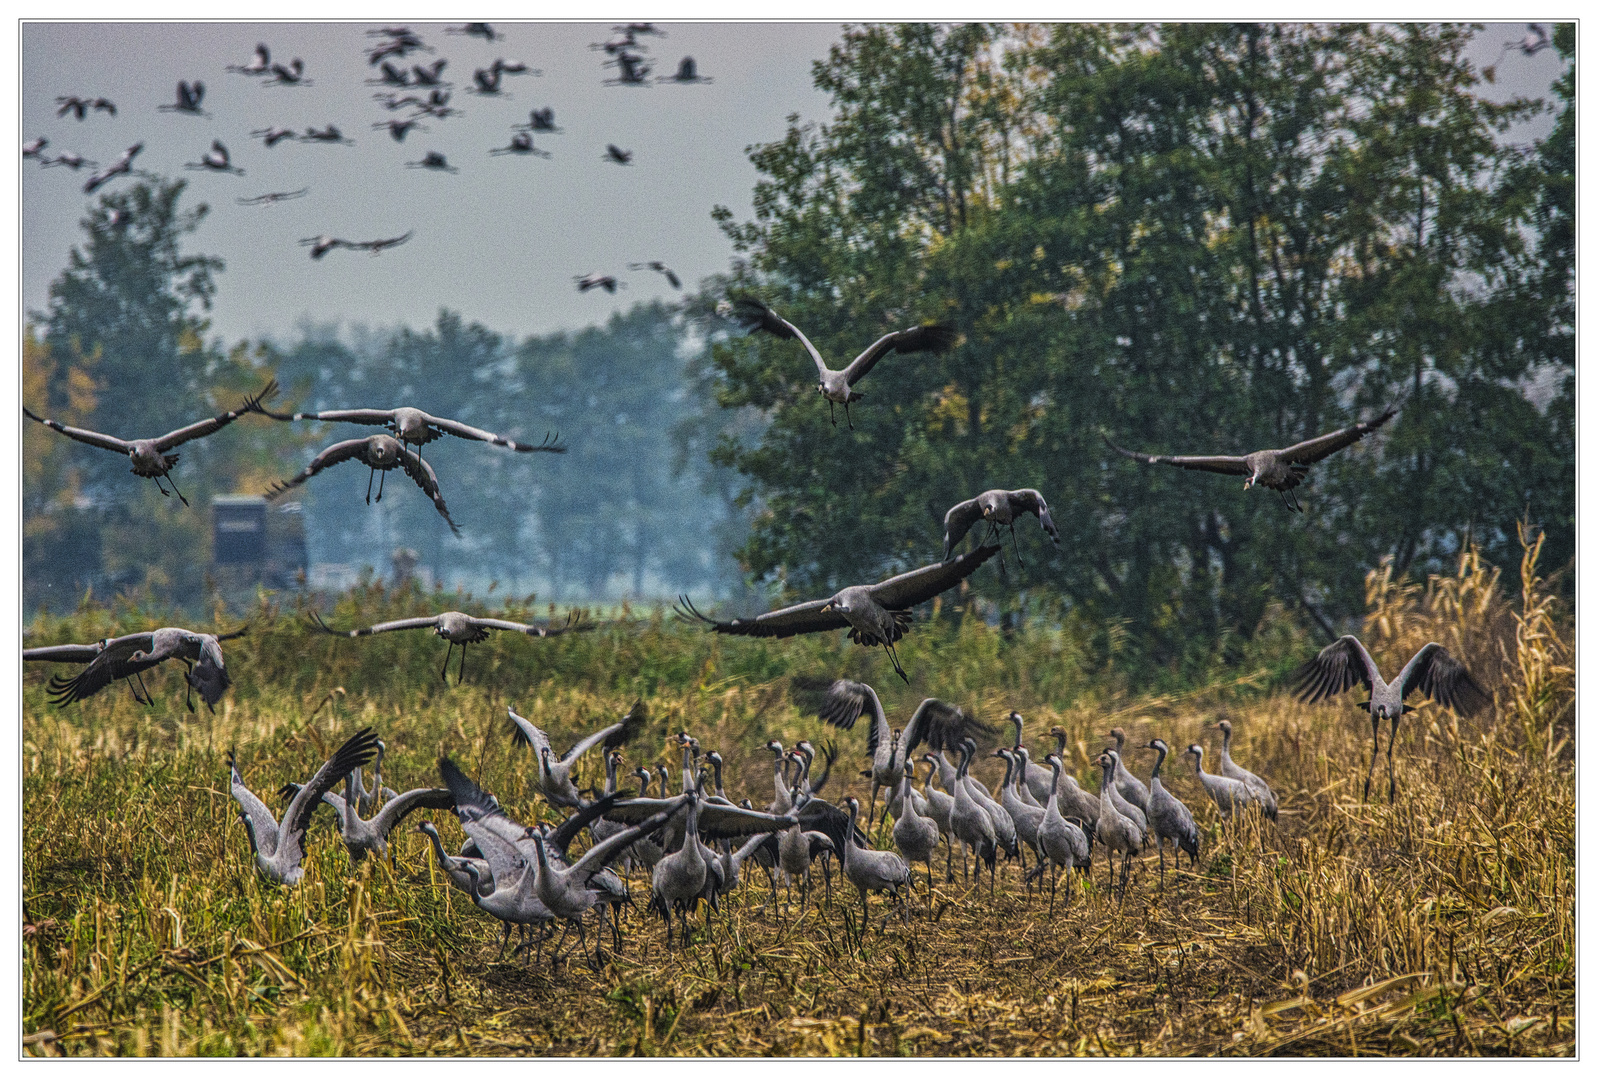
(615, 735)
(919, 586)
(572, 624)
(418, 623)
(633, 811)
(1030, 500)
(803, 618)
(1231, 466)
(931, 338)
(115, 661)
(723, 822)
(215, 423)
(525, 731)
(372, 417)
(562, 836)
(358, 749)
(1445, 680)
(466, 431)
(829, 755)
(939, 725)
(957, 522)
(82, 435)
(1312, 450)
(846, 702)
(755, 315)
(261, 819)
(337, 453)
(65, 654)
(426, 479)
(607, 851)
(483, 819)
(395, 810)
(1334, 669)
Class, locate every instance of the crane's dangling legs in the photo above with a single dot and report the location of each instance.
(175, 490)
(1376, 744)
(847, 417)
(460, 673)
(370, 476)
(1392, 782)
(832, 412)
(380, 482)
(443, 672)
(147, 700)
(893, 654)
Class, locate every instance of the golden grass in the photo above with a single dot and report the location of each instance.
(1441, 925)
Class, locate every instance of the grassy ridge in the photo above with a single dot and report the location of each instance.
(1444, 924)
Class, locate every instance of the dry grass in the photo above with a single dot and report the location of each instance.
(1442, 925)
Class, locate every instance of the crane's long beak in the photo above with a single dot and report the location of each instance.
(1248, 483)
(826, 607)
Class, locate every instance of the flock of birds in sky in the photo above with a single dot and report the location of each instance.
(411, 92)
(694, 840)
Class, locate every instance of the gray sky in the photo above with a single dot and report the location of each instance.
(500, 240)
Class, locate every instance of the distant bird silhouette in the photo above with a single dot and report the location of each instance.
(520, 143)
(119, 167)
(998, 508)
(377, 247)
(149, 456)
(380, 453)
(687, 72)
(389, 75)
(397, 129)
(70, 160)
(515, 67)
(436, 104)
(599, 281)
(1431, 671)
(486, 81)
(432, 160)
(618, 155)
(875, 614)
(540, 120)
(290, 74)
(34, 148)
(260, 63)
(272, 197)
(660, 268)
(838, 386)
(1535, 41)
(431, 75)
(632, 70)
(476, 29)
(189, 97)
(80, 107)
(402, 40)
(640, 29)
(1279, 470)
(271, 136)
(215, 160)
(321, 245)
(128, 656)
(329, 134)
(457, 628)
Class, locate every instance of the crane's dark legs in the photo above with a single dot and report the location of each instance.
(460, 674)
(1392, 783)
(175, 490)
(148, 700)
(443, 672)
(1017, 548)
(370, 476)
(847, 417)
(873, 807)
(832, 412)
(1376, 744)
(188, 688)
(380, 482)
(893, 654)
(1161, 842)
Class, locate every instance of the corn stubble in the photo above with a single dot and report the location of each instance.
(1443, 925)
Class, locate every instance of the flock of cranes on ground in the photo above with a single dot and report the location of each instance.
(419, 91)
